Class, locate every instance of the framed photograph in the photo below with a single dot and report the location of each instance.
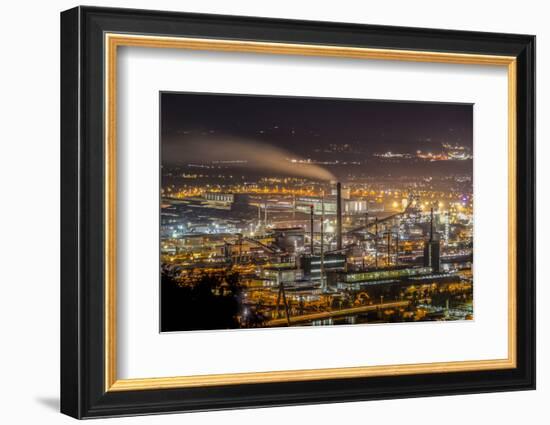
(261, 212)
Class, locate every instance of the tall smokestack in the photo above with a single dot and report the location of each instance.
(323, 243)
(338, 215)
(376, 242)
(431, 224)
(389, 248)
(311, 228)
(432, 248)
(397, 246)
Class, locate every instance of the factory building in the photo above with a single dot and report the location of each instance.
(289, 239)
(349, 206)
(311, 264)
(352, 207)
(387, 276)
(277, 274)
(226, 201)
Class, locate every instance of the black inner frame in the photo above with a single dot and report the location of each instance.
(82, 212)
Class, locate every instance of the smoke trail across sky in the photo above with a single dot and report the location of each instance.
(239, 152)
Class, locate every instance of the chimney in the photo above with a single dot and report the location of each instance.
(311, 228)
(432, 248)
(397, 247)
(338, 216)
(389, 249)
(431, 224)
(376, 242)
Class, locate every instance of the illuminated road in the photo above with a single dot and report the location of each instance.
(335, 313)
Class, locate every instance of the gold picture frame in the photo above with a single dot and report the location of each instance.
(113, 41)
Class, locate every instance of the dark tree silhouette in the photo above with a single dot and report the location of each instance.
(212, 302)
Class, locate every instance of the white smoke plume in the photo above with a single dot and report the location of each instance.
(255, 155)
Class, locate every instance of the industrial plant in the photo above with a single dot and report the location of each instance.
(325, 258)
(257, 234)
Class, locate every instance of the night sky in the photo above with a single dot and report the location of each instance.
(303, 126)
